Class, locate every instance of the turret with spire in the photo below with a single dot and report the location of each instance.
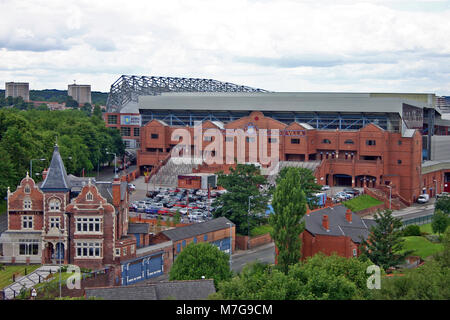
(56, 179)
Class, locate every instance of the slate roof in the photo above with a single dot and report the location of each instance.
(179, 290)
(56, 179)
(139, 228)
(339, 226)
(105, 189)
(197, 229)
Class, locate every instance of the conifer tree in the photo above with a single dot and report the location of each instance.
(289, 204)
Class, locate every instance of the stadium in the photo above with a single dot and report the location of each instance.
(138, 106)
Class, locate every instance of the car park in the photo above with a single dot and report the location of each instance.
(343, 195)
(325, 187)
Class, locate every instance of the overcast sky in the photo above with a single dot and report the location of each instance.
(371, 46)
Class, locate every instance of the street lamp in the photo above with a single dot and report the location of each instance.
(436, 190)
(31, 165)
(231, 243)
(115, 162)
(248, 219)
(390, 196)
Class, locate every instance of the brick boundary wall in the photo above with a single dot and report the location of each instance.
(385, 201)
(370, 210)
(243, 241)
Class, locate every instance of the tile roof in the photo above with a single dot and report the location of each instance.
(339, 226)
(179, 290)
(56, 179)
(139, 228)
(197, 229)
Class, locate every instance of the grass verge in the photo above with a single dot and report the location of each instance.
(362, 202)
(7, 272)
(421, 246)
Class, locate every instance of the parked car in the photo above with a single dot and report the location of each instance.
(343, 195)
(443, 194)
(184, 211)
(423, 198)
(352, 191)
(325, 187)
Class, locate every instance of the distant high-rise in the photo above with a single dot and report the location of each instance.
(81, 93)
(18, 89)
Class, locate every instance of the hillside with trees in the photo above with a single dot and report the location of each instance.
(31, 134)
(60, 96)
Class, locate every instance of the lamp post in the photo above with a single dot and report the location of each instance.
(115, 161)
(231, 243)
(390, 196)
(248, 220)
(435, 191)
(59, 256)
(31, 165)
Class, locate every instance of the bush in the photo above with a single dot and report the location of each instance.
(412, 230)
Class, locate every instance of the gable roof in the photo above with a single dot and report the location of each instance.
(139, 228)
(197, 229)
(56, 179)
(339, 226)
(179, 290)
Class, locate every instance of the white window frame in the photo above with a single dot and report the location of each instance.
(85, 223)
(54, 205)
(27, 204)
(27, 189)
(28, 221)
(89, 196)
(55, 222)
(86, 249)
(118, 252)
(132, 249)
(124, 251)
(355, 252)
(29, 244)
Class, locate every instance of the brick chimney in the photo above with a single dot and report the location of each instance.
(116, 191)
(325, 222)
(44, 174)
(348, 215)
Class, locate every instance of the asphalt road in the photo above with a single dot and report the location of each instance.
(264, 254)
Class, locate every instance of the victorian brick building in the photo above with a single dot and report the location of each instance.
(76, 220)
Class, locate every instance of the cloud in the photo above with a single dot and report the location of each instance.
(276, 45)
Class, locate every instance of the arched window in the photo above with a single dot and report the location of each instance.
(89, 196)
(349, 141)
(55, 205)
(327, 141)
(27, 189)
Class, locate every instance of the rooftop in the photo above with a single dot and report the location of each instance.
(197, 229)
(178, 290)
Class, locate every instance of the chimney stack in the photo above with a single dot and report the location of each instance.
(325, 222)
(44, 174)
(348, 215)
(116, 191)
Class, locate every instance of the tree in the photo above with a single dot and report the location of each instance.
(320, 277)
(440, 221)
(411, 230)
(307, 180)
(241, 183)
(289, 204)
(384, 245)
(201, 260)
(176, 218)
(71, 103)
(87, 108)
(443, 204)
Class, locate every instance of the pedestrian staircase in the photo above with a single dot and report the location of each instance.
(167, 176)
(38, 276)
(312, 165)
(396, 203)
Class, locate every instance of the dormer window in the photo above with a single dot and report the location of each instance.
(27, 204)
(55, 205)
(27, 189)
(89, 196)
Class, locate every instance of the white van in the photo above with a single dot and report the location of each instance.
(423, 198)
